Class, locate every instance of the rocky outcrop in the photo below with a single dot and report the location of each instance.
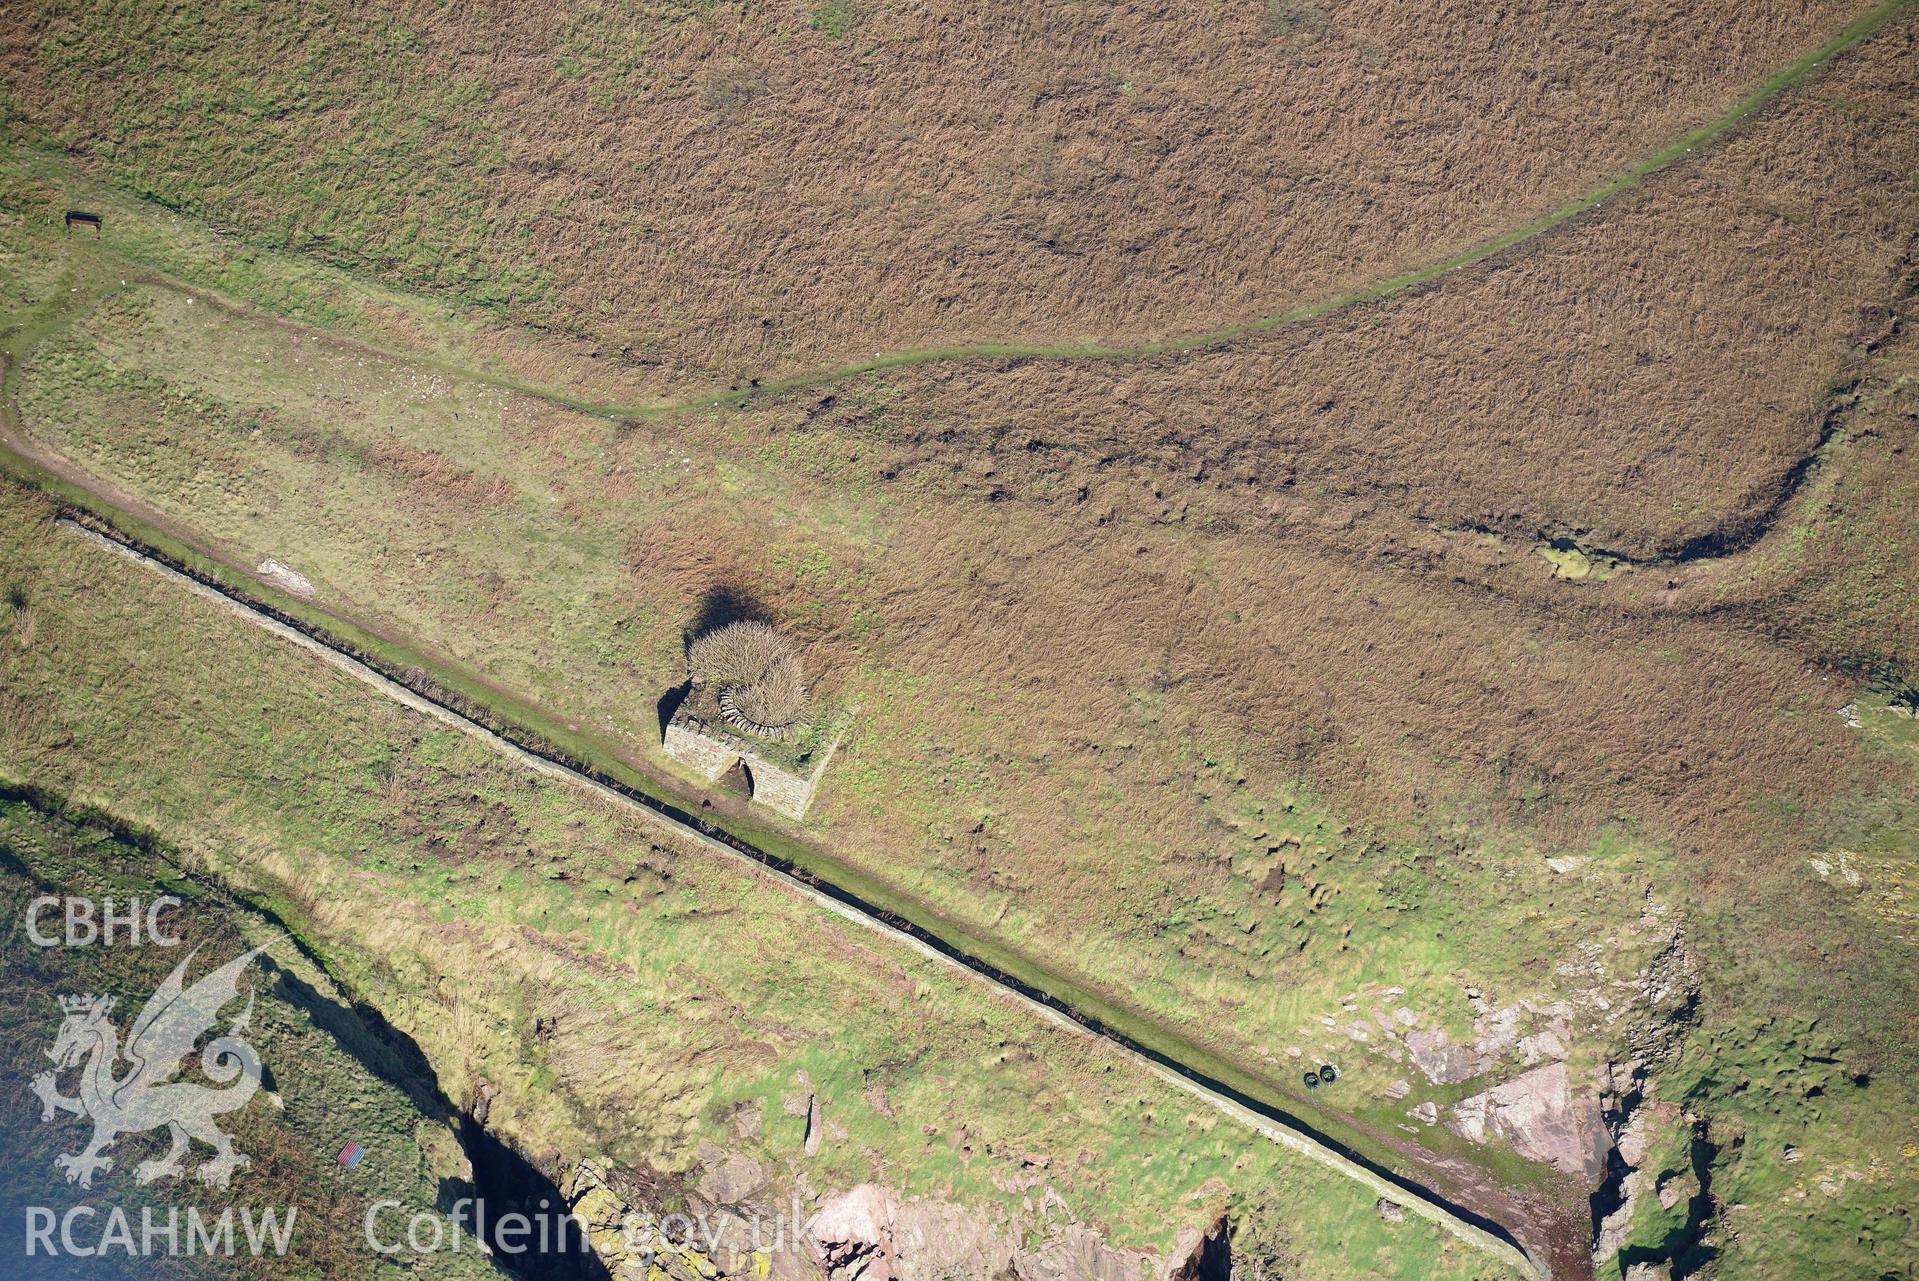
(1668, 1002)
(1078, 1253)
(286, 578)
(1526, 1031)
(865, 1233)
(1444, 1062)
(869, 1234)
(1662, 1157)
(938, 1239)
(1201, 1254)
(1539, 1115)
(728, 1178)
(853, 1235)
(631, 1241)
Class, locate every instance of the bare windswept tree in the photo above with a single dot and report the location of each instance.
(756, 674)
(778, 697)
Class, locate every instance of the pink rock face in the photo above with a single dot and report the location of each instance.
(937, 1240)
(1186, 1249)
(1080, 1254)
(853, 1234)
(862, 1216)
(1537, 1113)
(1443, 1062)
(868, 1234)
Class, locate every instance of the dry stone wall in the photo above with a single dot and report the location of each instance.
(712, 749)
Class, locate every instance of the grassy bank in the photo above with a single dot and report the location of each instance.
(490, 543)
(626, 1000)
(1248, 793)
(330, 1079)
(592, 646)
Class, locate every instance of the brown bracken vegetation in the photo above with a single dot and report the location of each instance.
(746, 190)
(1646, 380)
(754, 672)
(1309, 559)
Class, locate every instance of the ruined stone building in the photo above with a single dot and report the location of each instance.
(745, 707)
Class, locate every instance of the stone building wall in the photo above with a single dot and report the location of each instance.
(712, 749)
(687, 745)
(776, 789)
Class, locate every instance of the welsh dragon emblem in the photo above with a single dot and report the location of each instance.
(145, 1096)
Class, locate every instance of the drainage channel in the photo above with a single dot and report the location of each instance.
(1272, 1123)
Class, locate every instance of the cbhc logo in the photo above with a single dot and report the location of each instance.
(84, 924)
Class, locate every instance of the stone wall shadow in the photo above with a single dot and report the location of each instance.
(670, 703)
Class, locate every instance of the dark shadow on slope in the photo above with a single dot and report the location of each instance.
(504, 1182)
(726, 603)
